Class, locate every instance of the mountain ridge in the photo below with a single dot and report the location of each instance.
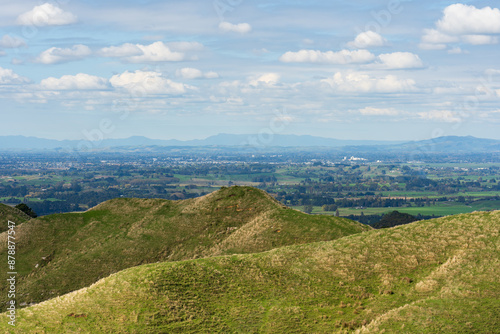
(440, 144)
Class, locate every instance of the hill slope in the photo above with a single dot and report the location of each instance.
(9, 213)
(437, 276)
(62, 253)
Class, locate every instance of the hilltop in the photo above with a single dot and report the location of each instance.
(436, 276)
(65, 252)
(9, 213)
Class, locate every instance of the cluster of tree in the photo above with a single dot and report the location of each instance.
(391, 219)
(26, 209)
(394, 218)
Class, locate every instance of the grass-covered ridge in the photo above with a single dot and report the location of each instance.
(437, 276)
(9, 213)
(60, 253)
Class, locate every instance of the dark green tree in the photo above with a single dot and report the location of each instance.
(394, 218)
(26, 209)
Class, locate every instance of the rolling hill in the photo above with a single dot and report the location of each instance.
(436, 276)
(65, 252)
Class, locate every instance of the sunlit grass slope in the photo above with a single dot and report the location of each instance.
(437, 276)
(61, 253)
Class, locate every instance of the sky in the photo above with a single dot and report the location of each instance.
(370, 70)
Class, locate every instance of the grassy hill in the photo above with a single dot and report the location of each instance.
(9, 213)
(65, 252)
(437, 276)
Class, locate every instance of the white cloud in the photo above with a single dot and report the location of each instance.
(156, 52)
(465, 24)
(8, 77)
(356, 82)
(366, 40)
(329, 57)
(267, 79)
(460, 19)
(398, 60)
(59, 55)
(211, 75)
(9, 42)
(194, 73)
(433, 36)
(189, 73)
(46, 15)
(370, 111)
(441, 116)
(80, 81)
(456, 51)
(2, 53)
(241, 28)
(430, 46)
(141, 83)
(480, 39)
(124, 50)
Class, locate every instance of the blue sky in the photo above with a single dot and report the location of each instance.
(384, 70)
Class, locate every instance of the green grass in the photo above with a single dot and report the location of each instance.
(65, 252)
(437, 276)
(441, 209)
(9, 213)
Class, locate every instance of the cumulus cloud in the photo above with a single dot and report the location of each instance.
(156, 52)
(440, 116)
(145, 83)
(465, 24)
(435, 37)
(10, 42)
(460, 19)
(268, 79)
(456, 50)
(398, 60)
(8, 77)
(370, 111)
(480, 39)
(329, 57)
(367, 40)
(46, 15)
(80, 81)
(59, 55)
(241, 28)
(357, 82)
(124, 50)
(194, 73)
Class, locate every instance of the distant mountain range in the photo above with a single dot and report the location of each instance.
(448, 144)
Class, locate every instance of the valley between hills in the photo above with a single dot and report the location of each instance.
(238, 261)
